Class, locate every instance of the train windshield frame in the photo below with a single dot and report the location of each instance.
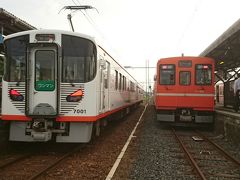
(79, 59)
(167, 74)
(203, 74)
(16, 58)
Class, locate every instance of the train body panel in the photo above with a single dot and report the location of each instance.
(184, 90)
(58, 84)
(225, 94)
(185, 100)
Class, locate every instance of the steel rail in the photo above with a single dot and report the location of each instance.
(44, 170)
(193, 162)
(219, 148)
(14, 160)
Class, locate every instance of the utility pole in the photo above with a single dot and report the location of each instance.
(146, 82)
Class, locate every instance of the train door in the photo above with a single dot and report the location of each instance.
(137, 89)
(217, 93)
(101, 102)
(106, 86)
(101, 95)
(42, 81)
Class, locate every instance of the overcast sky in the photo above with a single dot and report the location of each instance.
(137, 30)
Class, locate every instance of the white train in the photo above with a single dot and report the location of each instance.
(62, 86)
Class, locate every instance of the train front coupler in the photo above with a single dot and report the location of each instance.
(40, 130)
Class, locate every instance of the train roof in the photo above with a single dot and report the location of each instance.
(51, 31)
(184, 58)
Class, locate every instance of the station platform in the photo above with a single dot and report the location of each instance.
(227, 122)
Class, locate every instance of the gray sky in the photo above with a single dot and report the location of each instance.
(137, 30)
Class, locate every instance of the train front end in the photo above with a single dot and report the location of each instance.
(185, 90)
(44, 87)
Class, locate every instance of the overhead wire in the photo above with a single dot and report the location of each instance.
(89, 19)
(92, 23)
(189, 22)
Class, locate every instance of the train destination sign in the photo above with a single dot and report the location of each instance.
(45, 85)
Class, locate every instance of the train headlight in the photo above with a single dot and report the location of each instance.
(75, 97)
(15, 95)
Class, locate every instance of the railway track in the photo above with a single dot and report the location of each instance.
(92, 161)
(11, 160)
(208, 159)
(33, 165)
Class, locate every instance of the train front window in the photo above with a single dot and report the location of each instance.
(184, 78)
(16, 58)
(167, 74)
(203, 74)
(79, 59)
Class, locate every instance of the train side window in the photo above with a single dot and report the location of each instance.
(124, 81)
(167, 74)
(106, 75)
(203, 74)
(185, 78)
(131, 86)
(120, 81)
(116, 80)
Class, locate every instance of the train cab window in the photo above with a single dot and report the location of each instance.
(185, 78)
(45, 65)
(167, 74)
(203, 74)
(79, 59)
(45, 70)
(16, 58)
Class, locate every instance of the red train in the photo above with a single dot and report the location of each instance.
(184, 90)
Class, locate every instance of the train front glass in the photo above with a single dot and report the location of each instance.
(78, 62)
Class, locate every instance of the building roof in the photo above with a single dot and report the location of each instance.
(225, 49)
(12, 24)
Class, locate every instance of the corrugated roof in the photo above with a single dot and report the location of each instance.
(225, 49)
(12, 24)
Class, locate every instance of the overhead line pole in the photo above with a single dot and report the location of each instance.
(146, 82)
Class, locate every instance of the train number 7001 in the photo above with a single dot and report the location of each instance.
(80, 111)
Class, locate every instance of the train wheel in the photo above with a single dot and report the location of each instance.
(97, 128)
(104, 122)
